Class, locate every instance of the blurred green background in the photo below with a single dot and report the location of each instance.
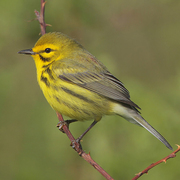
(139, 42)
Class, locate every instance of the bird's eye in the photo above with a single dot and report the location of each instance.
(48, 50)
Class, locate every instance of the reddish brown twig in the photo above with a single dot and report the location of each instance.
(77, 148)
(172, 155)
(40, 17)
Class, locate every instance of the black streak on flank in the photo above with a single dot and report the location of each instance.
(45, 80)
(77, 95)
(44, 59)
(74, 108)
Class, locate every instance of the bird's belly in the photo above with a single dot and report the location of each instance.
(76, 102)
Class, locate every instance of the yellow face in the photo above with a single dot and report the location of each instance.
(52, 47)
(47, 51)
(45, 54)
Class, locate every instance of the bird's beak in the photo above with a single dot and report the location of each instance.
(27, 51)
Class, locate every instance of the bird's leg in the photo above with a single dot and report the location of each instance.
(62, 123)
(82, 135)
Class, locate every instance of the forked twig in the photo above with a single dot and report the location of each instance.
(172, 155)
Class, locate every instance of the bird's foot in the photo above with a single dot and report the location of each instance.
(76, 145)
(62, 123)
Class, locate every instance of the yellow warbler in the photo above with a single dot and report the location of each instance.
(79, 86)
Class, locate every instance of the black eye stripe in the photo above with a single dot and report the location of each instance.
(48, 50)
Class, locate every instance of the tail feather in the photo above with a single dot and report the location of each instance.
(134, 117)
(142, 122)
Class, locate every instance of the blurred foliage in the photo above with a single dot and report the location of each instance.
(139, 43)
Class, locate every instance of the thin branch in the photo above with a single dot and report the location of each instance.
(78, 149)
(40, 17)
(172, 155)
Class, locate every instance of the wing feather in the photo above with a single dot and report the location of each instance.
(101, 82)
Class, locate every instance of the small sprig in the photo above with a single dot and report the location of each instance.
(172, 155)
(40, 17)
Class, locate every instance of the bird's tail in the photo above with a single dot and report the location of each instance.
(134, 117)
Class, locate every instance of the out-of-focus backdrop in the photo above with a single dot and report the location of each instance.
(139, 42)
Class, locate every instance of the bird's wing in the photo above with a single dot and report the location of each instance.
(98, 80)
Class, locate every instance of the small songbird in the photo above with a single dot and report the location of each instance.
(78, 85)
